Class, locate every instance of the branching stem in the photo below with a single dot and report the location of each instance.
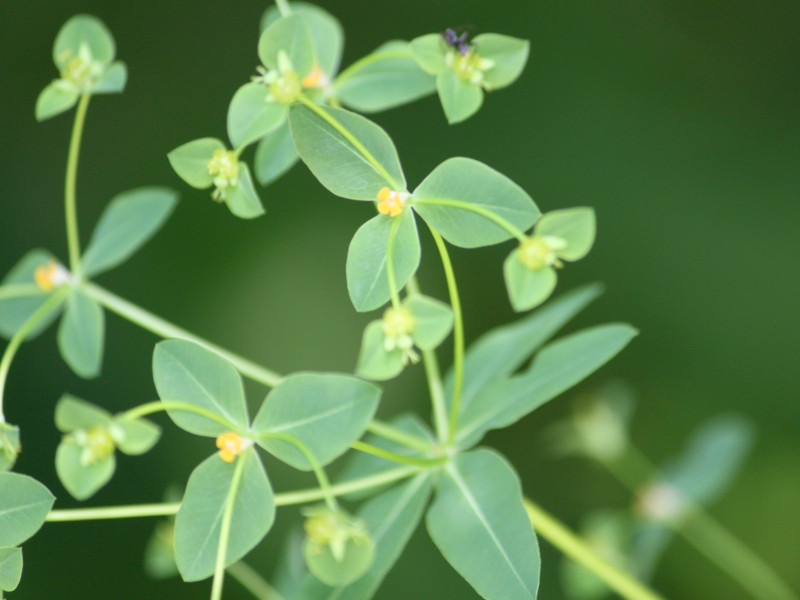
(70, 184)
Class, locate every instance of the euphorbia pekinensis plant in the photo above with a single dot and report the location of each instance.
(298, 105)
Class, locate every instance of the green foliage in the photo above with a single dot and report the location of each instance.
(10, 568)
(16, 310)
(374, 360)
(190, 161)
(9, 446)
(81, 334)
(211, 487)
(478, 522)
(24, 504)
(275, 154)
(290, 35)
(251, 116)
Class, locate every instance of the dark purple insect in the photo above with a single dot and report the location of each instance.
(459, 42)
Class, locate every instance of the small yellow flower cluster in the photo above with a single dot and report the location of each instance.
(469, 66)
(540, 251)
(50, 275)
(398, 323)
(391, 202)
(96, 444)
(230, 446)
(80, 72)
(224, 168)
(284, 83)
(326, 528)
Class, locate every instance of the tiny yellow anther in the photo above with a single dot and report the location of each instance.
(391, 202)
(50, 275)
(230, 446)
(315, 78)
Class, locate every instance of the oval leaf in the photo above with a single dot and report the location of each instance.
(190, 161)
(355, 171)
(290, 35)
(198, 522)
(82, 480)
(275, 154)
(83, 30)
(479, 524)
(433, 320)
(113, 80)
(460, 99)
(429, 51)
(527, 288)
(576, 226)
(243, 200)
(374, 361)
(509, 55)
(367, 279)
(24, 504)
(53, 100)
(10, 568)
(81, 334)
(324, 411)
(448, 197)
(135, 436)
(250, 116)
(129, 220)
(187, 372)
(73, 413)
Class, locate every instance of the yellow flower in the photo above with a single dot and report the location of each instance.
(540, 251)
(224, 167)
(391, 202)
(230, 446)
(50, 275)
(316, 78)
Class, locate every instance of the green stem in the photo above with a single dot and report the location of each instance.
(434, 378)
(250, 580)
(225, 529)
(458, 335)
(20, 291)
(70, 208)
(164, 405)
(16, 340)
(165, 329)
(491, 215)
(166, 509)
(322, 478)
(393, 292)
(398, 458)
(385, 430)
(368, 60)
(328, 118)
(283, 7)
(562, 538)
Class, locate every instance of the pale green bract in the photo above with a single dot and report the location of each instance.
(290, 35)
(81, 334)
(190, 161)
(10, 568)
(15, 311)
(251, 116)
(374, 361)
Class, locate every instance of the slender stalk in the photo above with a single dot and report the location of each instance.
(164, 509)
(458, 335)
(23, 290)
(385, 430)
(225, 529)
(40, 313)
(70, 208)
(393, 292)
(283, 7)
(398, 458)
(164, 405)
(250, 580)
(562, 538)
(165, 329)
(368, 60)
(491, 215)
(328, 118)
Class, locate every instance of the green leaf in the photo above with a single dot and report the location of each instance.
(429, 52)
(15, 311)
(10, 568)
(291, 35)
(367, 273)
(527, 288)
(81, 333)
(73, 413)
(557, 367)
(479, 524)
(243, 200)
(391, 518)
(374, 361)
(388, 77)
(113, 80)
(324, 411)
(448, 197)
(82, 479)
(80, 30)
(159, 553)
(501, 351)
(508, 53)
(460, 99)
(135, 436)
(190, 161)
(24, 504)
(9, 446)
(53, 100)
(576, 226)
(339, 164)
(187, 372)
(198, 522)
(711, 459)
(251, 117)
(127, 223)
(326, 32)
(275, 154)
(433, 320)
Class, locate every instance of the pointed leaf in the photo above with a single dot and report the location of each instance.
(433, 320)
(388, 77)
(190, 161)
(445, 197)
(275, 154)
(81, 334)
(290, 35)
(24, 504)
(556, 368)
(187, 372)
(113, 80)
(80, 30)
(374, 361)
(509, 55)
(53, 100)
(127, 223)
(479, 524)
(198, 522)
(527, 288)
(367, 273)
(73, 413)
(576, 226)
(460, 99)
(341, 166)
(15, 311)
(251, 117)
(324, 411)
(10, 568)
(82, 479)
(243, 200)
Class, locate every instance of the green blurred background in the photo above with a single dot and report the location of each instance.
(677, 121)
